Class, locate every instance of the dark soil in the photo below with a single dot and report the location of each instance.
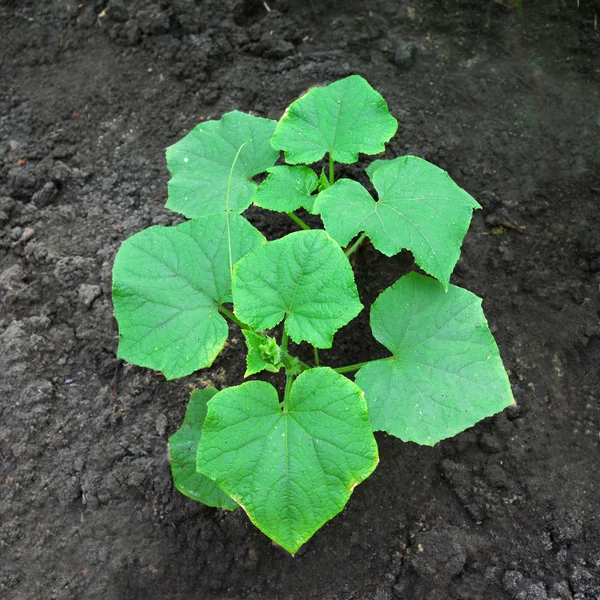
(92, 93)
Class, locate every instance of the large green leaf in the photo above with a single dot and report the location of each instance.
(343, 119)
(305, 278)
(290, 468)
(208, 175)
(445, 374)
(420, 208)
(167, 285)
(183, 448)
(286, 189)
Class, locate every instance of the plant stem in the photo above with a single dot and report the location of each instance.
(284, 341)
(231, 316)
(356, 244)
(351, 368)
(298, 220)
(316, 351)
(331, 171)
(289, 380)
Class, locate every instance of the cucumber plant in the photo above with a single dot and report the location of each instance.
(292, 462)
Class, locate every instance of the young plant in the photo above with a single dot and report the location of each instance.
(291, 463)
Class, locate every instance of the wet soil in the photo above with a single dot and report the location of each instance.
(92, 93)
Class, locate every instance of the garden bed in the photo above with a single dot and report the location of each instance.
(92, 93)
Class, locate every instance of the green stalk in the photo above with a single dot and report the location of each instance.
(298, 221)
(289, 380)
(331, 171)
(351, 368)
(316, 351)
(231, 316)
(304, 366)
(284, 341)
(356, 244)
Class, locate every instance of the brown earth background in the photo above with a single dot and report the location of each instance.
(90, 95)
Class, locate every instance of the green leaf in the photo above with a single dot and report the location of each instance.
(323, 182)
(420, 208)
(263, 353)
(183, 448)
(208, 175)
(286, 189)
(290, 469)
(305, 278)
(343, 119)
(445, 374)
(167, 285)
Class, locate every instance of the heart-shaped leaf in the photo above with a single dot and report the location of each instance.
(342, 119)
(445, 373)
(291, 468)
(420, 208)
(213, 165)
(287, 189)
(305, 278)
(168, 283)
(183, 448)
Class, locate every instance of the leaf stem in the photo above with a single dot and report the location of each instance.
(356, 244)
(351, 368)
(284, 342)
(331, 171)
(298, 221)
(289, 380)
(231, 316)
(316, 351)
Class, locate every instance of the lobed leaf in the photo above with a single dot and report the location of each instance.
(183, 449)
(290, 469)
(287, 189)
(420, 208)
(445, 373)
(304, 278)
(168, 283)
(342, 119)
(208, 175)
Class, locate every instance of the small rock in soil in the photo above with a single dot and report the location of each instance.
(560, 591)
(512, 581)
(496, 476)
(533, 591)
(27, 235)
(440, 554)
(88, 293)
(404, 55)
(496, 218)
(513, 412)
(490, 444)
(70, 270)
(6, 206)
(22, 183)
(16, 233)
(161, 424)
(116, 11)
(153, 21)
(45, 196)
(64, 9)
(589, 246)
(87, 17)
